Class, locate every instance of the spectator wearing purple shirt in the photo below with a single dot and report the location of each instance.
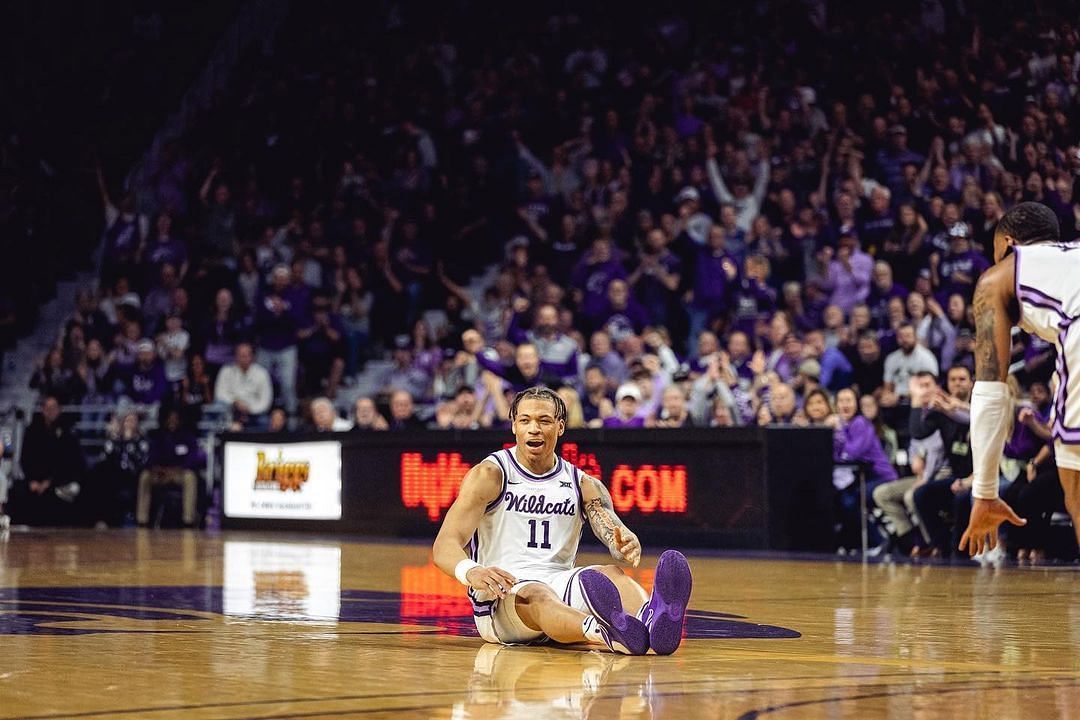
(627, 402)
(147, 383)
(656, 278)
(623, 316)
(753, 299)
(957, 271)
(849, 274)
(715, 273)
(592, 275)
(165, 248)
(558, 351)
(322, 350)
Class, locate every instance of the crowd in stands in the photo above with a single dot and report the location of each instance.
(765, 214)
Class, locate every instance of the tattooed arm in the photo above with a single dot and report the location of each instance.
(991, 404)
(993, 321)
(606, 525)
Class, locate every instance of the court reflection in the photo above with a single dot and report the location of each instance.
(282, 581)
(508, 683)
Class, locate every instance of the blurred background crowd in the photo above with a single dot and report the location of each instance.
(758, 214)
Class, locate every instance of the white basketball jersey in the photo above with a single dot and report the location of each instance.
(533, 528)
(1048, 292)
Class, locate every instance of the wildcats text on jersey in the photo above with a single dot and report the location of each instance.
(539, 505)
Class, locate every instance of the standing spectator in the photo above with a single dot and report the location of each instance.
(275, 326)
(245, 387)
(222, 331)
(175, 456)
(903, 363)
(715, 273)
(849, 274)
(656, 278)
(322, 350)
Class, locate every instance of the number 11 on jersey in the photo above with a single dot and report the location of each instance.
(546, 544)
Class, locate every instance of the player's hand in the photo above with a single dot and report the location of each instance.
(626, 546)
(491, 580)
(982, 529)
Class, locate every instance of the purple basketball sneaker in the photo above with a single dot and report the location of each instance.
(666, 609)
(623, 633)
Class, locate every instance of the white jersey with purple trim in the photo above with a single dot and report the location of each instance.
(1048, 293)
(533, 528)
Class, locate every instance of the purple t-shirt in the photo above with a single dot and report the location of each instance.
(615, 422)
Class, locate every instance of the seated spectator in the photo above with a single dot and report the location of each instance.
(195, 387)
(627, 402)
(575, 415)
(836, 370)
(245, 387)
(673, 411)
(402, 413)
(172, 346)
(855, 442)
(604, 357)
(558, 352)
(781, 407)
(279, 420)
(111, 492)
(366, 416)
(53, 466)
(324, 417)
(596, 403)
(947, 414)
(410, 373)
(53, 378)
(174, 458)
(147, 384)
(817, 410)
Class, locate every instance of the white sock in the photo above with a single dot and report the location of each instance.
(591, 630)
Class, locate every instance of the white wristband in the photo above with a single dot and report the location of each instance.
(462, 568)
(991, 411)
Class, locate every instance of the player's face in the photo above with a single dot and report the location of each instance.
(536, 428)
(1002, 243)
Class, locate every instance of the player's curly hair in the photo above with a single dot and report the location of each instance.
(539, 392)
(1030, 222)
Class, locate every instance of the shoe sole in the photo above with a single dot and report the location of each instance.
(625, 631)
(672, 585)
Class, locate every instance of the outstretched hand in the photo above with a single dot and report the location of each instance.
(627, 544)
(982, 529)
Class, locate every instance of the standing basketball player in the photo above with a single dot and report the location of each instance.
(520, 513)
(1035, 283)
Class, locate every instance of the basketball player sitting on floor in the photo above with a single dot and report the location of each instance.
(519, 514)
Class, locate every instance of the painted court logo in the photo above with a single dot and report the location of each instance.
(196, 608)
(279, 474)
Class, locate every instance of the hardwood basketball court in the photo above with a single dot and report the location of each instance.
(168, 625)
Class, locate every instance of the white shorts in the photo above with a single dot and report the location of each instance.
(498, 622)
(1067, 456)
